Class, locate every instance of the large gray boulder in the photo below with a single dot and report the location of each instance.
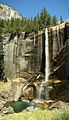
(59, 104)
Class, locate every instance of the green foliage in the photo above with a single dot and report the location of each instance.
(45, 19)
(54, 20)
(61, 19)
(39, 22)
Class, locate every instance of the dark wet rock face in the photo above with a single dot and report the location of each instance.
(25, 54)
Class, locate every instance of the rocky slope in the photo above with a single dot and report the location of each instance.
(6, 12)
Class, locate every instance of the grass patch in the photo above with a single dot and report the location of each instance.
(37, 115)
(62, 115)
(40, 115)
(5, 86)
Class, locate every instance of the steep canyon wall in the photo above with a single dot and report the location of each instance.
(25, 53)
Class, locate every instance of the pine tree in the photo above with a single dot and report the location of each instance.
(45, 19)
(36, 22)
(54, 20)
(61, 19)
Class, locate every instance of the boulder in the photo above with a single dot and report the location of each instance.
(43, 105)
(8, 110)
(17, 86)
(29, 109)
(1, 105)
(28, 92)
(5, 95)
(59, 104)
(31, 92)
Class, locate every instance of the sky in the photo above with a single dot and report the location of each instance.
(30, 8)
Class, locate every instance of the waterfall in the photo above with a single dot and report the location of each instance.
(47, 68)
(43, 90)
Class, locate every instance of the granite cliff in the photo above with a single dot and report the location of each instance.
(25, 53)
(6, 12)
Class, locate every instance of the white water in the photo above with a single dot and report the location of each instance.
(47, 68)
(43, 90)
